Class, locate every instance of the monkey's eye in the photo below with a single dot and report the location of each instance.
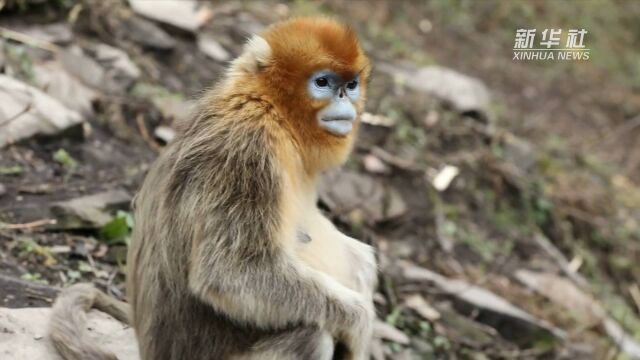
(322, 82)
(352, 85)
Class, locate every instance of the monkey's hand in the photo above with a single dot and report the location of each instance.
(364, 264)
(275, 291)
(357, 338)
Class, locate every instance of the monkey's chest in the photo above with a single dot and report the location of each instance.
(323, 250)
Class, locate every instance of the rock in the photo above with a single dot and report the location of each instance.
(20, 293)
(444, 177)
(21, 5)
(3, 189)
(86, 69)
(119, 67)
(246, 25)
(466, 331)
(374, 165)
(519, 152)
(625, 342)
(147, 34)
(212, 48)
(418, 304)
(423, 348)
(188, 15)
(377, 120)
(384, 331)
(112, 71)
(51, 78)
(406, 354)
(164, 133)
(92, 211)
(3, 59)
(565, 293)
(464, 93)
(346, 191)
(56, 33)
(26, 111)
(561, 261)
(561, 291)
(172, 105)
(512, 322)
(24, 335)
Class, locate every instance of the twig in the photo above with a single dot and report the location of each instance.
(561, 261)
(28, 40)
(393, 159)
(29, 225)
(34, 295)
(145, 133)
(92, 263)
(634, 290)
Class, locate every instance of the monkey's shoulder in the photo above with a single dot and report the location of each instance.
(229, 154)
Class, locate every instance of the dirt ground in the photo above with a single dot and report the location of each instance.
(508, 228)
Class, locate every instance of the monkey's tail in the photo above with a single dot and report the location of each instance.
(67, 326)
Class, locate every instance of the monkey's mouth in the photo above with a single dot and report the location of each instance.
(337, 126)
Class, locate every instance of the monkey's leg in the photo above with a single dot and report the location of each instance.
(304, 343)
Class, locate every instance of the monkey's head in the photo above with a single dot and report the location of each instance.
(315, 73)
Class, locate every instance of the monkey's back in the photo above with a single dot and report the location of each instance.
(171, 322)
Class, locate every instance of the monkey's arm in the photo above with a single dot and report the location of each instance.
(239, 262)
(361, 256)
(346, 259)
(274, 291)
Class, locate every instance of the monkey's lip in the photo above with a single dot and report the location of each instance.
(337, 126)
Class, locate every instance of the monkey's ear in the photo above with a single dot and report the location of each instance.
(256, 55)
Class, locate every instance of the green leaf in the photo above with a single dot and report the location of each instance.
(392, 318)
(115, 231)
(63, 157)
(11, 170)
(127, 216)
(34, 277)
(84, 267)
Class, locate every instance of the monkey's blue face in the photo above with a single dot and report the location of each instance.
(340, 113)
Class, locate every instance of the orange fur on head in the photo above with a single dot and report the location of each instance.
(297, 49)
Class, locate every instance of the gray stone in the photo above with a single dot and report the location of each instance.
(147, 34)
(521, 325)
(24, 335)
(384, 331)
(164, 133)
(51, 77)
(92, 211)
(120, 69)
(56, 33)
(347, 191)
(562, 291)
(519, 152)
(188, 15)
(464, 93)
(26, 111)
(212, 48)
